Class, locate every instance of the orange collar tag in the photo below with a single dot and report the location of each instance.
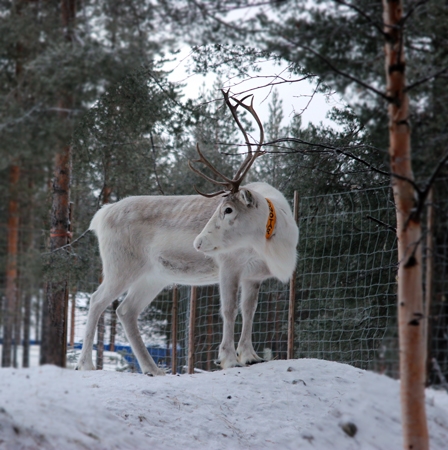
(270, 225)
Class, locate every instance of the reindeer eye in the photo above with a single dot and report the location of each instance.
(228, 211)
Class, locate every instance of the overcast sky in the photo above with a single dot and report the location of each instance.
(296, 96)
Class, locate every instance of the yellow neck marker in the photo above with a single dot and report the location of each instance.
(270, 225)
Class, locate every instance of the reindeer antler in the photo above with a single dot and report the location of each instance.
(232, 185)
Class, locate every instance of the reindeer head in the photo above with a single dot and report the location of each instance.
(231, 186)
(242, 213)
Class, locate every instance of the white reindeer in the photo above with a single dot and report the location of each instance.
(239, 239)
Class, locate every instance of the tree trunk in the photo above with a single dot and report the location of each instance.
(29, 282)
(55, 310)
(54, 316)
(11, 266)
(101, 322)
(410, 286)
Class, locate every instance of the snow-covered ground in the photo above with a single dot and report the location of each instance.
(296, 404)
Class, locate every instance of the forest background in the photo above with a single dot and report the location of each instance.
(88, 116)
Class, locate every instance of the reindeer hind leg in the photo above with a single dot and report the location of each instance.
(101, 299)
(139, 296)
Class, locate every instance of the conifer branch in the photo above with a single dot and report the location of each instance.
(342, 73)
(363, 14)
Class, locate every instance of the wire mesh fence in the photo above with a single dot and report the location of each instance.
(437, 284)
(269, 335)
(345, 296)
(346, 279)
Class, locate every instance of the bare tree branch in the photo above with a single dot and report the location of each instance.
(423, 194)
(439, 373)
(206, 13)
(342, 73)
(272, 83)
(363, 14)
(19, 119)
(384, 224)
(425, 79)
(155, 165)
(67, 245)
(350, 155)
(412, 9)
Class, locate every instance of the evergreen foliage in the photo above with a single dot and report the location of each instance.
(132, 133)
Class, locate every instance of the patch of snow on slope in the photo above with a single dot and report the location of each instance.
(293, 404)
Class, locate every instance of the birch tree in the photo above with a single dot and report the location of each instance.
(409, 234)
(342, 42)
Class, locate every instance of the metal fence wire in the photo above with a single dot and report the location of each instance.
(346, 292)
(345, 295)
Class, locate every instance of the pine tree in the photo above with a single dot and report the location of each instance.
(53, 69)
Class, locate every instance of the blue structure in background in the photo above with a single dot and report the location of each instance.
(160, 354)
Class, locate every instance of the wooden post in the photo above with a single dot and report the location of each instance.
(26, 327)
(73, 318)
(73, 290)
(429, 272)
(210, 292)
(174, 326)
(191, 329)
(277, 323)
(66, 294)
(17, 327)
(100, 342)
(113, 325)
(270, 333)
(292, 291)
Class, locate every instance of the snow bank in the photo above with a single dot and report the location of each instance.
(304, 404)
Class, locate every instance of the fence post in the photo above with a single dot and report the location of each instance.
(174, 321)
(292, 291)
(73, 317)
(100, 342)
(191, 329)
(210, 292)
(428, 279)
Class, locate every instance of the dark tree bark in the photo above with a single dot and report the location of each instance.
(54, 316)
(9, 309)
(55, 310)
(27, 288)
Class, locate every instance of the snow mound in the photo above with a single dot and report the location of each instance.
(307, 404)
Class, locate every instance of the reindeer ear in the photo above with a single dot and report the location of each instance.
(248, 198)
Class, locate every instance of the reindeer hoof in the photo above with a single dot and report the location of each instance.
(155, 373)
(219, 363)
(255, 361)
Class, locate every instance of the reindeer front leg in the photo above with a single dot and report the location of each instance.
(249, 300)
(229, 308)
